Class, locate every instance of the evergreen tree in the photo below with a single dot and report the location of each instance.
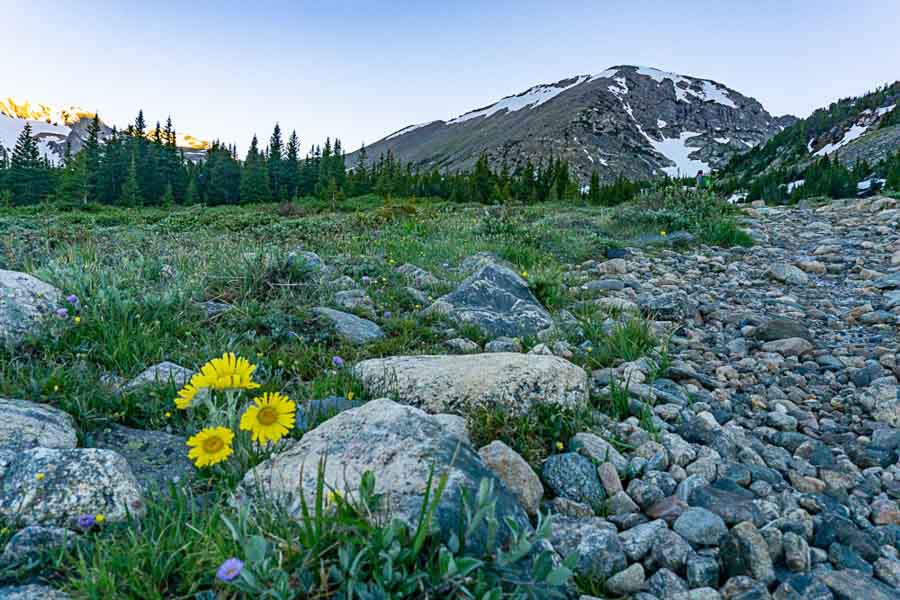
(254, 178)
(131, 191)
(291, 169)
(29, 174)
(594, 188)
(90, 159)
(275, 163)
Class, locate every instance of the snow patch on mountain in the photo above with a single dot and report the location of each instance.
(677, 151)
(408, 129)
(710, 91)
(530, 98)
(851, 134)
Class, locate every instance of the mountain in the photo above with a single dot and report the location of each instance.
(864, 128)
(630, 121)
(56, 127)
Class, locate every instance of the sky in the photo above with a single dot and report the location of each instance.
(359, 70)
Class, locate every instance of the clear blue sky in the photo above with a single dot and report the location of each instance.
(361, 69)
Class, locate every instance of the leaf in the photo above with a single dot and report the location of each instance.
(255, 548)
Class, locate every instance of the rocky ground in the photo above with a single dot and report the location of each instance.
(755, 455)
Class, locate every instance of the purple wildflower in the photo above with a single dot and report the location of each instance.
(72, 299)
(387, 314)
(86, 521)
(337, 361)
(229, 570)
(62, 313)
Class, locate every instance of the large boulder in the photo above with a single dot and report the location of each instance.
(24, 302)
(401, 445)
(496, 300)
(25, 424)
(51, 486)
(157, 459)
(350, 328)
(510, 381)
(164, 373)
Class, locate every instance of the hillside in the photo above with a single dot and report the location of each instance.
(858, 129)
(636, 122)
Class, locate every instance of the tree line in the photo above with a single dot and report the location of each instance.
(140, 166)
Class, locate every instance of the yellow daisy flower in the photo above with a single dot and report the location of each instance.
(210, 446)
(99, 518)
(270, 417)
(229, 372)
(186, 395)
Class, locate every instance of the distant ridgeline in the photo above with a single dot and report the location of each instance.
(850, 147)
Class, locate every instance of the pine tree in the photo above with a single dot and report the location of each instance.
(90, 156)
(29, 174)
(190, 194)
(275, 163)
(291, 171)
(594, 188)
(254, 179)
(131, 191)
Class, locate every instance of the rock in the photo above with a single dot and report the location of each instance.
(33, 541)
(156, 458)
(454, 425)
(504, 344)
(27, 424)
(25, 302)
(55, 486)
(355, 301)
(781, 328)
(462, 346)
(515, 473)
(669, 551)
(626, 582)
(888, 571)
(674, 306)
(796, 552)
(598, 450)
(621, 503)
(700, 527)
(744, 588)
(845, 557)
(745, 552)
(883, 400)
(732, 505)
(666, 585)
(399, 445)
(164, 373)
(786, 273)
(320, 409)
(574, 477)
(308, 261)
(698, 594)
(609, 477)
(350, 328)
(593, 541)
(702, 571)
(32, 591)
(853, 585)
(506, 381)
(637, 541)
(788, 346)
(496, 300)
(419, 277)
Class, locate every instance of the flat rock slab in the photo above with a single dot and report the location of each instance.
(350, 328)
(400, 445)
(49, 486)
(25, 424)
(156, 458)
(33, 591)
(24, 302)
(496, 300)
(454, 384)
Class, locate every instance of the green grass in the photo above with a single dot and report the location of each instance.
(141, 276)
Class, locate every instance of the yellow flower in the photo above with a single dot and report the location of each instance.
(524, 273)
(228, 372)
(350, 396)
(99, 518)
(210, 446)
(663, 233)
(40, 476)
(270, 417)
(559, 446)
(55, 388)
(332, 497)
(168, 414)
(77, 320)
(186, 395)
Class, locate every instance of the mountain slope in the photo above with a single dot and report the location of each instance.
(865, 128)
(56, 127)
(633, 121)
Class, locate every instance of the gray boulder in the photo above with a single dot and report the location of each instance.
(573, 476)
(745, 552)
(156, 458)
(515, 473)
(56, 486)
(496, 300)
(418, 276)
(350, 328)
(786, 273)
(25, 302)
(34, 541)
(27, 424)
(509, 381)
(593, 541)
(401, 445)
(164, 373)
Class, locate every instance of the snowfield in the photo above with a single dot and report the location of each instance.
(10, 129)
